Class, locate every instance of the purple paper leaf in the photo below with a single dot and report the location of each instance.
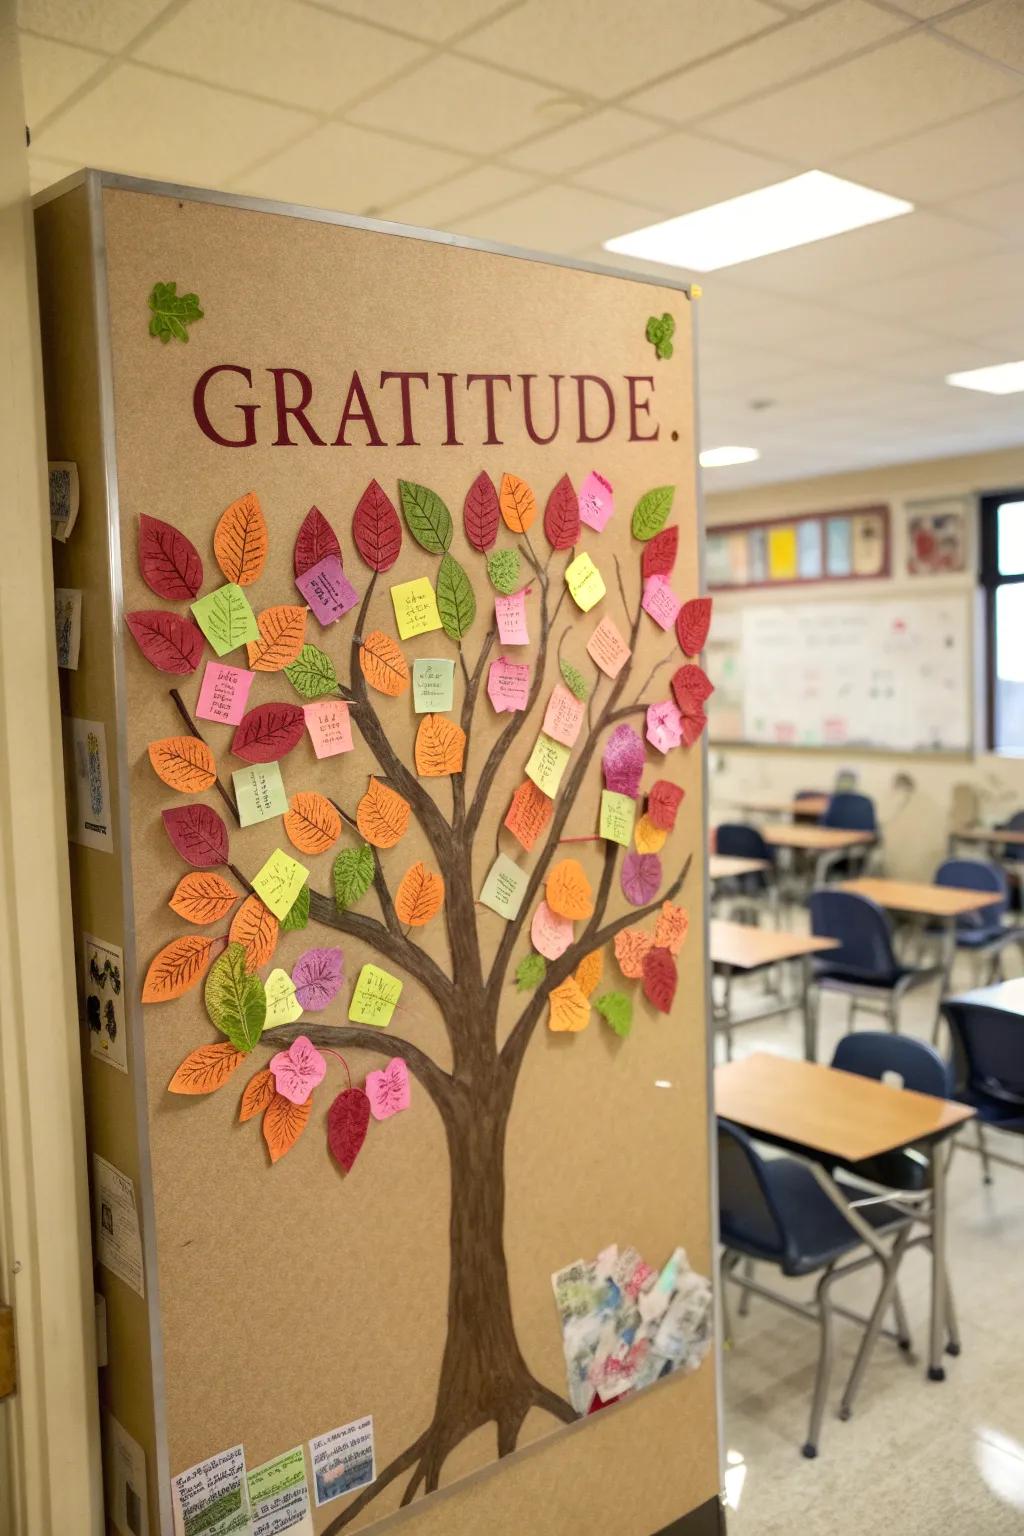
(317, 977)
(641, 877)
(623, 761)
(198, 834)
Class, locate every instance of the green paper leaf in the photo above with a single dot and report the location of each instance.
(455, 601)
(503, 570)
(236, 1001)
(297, 915)
(429, 520)
(617, 1010)
(530, 972)
(353, 875)
(312, 673)
(173, 312)
(574, 680)
(659, 333)
(651, 512)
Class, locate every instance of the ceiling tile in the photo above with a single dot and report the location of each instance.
(459, 104)
(591, 138)
(926, 10)
(998, 208)
(949, 292)
(288, 52)
(353, 170)
(854, 338)
(556, 218)
(896, 89)
(50, 72)
(603, 47)
(106, 24)
(434, 20)
(931, 363)
(681, 172)
(463, 195)
(973, 151)
(996, 30)
(150, 124)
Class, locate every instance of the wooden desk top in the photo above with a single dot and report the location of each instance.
(746, 948)
(810, 805)
(989, 835)
(922, 899)
(1007, 995)
(837, 1113)
(814, 839)
(723, 866)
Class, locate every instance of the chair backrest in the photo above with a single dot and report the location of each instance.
(1012, 851)
(873, 1054)
(861, 927)
(741, 841)
(850, 813)
(990, 1044)
(747, 1212)
(977, 875)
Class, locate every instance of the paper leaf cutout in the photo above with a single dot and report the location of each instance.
(240, 540)
(659, 555)
(529, 814)
(388, 1089)
(659, 332)
(312, 823)
(352, 875)
(569, 1009)
(169, 563)
(376, 530)
(550, 934)
(692, 688)
(420, 896)
(236, 1001)
(647, 837)
(282, 633)
(671, 928)
(426, 516)
(259, 1091)
(663, 804)
(283, 1124)
(382, 816)
(177, 967)
(530, 972)
(312, 674)
(383, 665)
(480, 513)
(562, 515)
(317, 976)
(588, 973)
(641, 876)
(455, 601)
(184, 763)
(268, 732)
(168, 641)
(623, 761)
(631, 945)
(692, 727)
(203, 897)
(172, 312)
(517, 503)
(651, 512)
(664, 725)
(692, 624)
(255, 928)
(315, 540)
(198, 834)
(568, 890)
(617, 1010)
(206, 1069)
(347, 1122)
(503, 571)
(440, 747)
(298, 1070)
(660, 977)
(297, 915)
(574, 680)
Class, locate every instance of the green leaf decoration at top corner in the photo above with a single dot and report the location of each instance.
(172, 312)
(312, 674)
(428, 519)
(651, 512)
(353, 875)
(530, 972)
(574, 680)
(503, 571)
(298, 913)
(456, 602)
(660, 330)
(616, 1009)
(236, 1001)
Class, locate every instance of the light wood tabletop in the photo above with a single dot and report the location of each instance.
(746, 948)
(989, 835)
(1007, 995)
(764, 805)
(836, 1113)
(724, 866)
(814, 839)
(923, 900)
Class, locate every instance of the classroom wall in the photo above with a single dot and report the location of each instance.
(915, 819)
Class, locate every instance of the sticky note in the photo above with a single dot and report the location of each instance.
(664, 725)
(508, 684)
(660, 601)
(375, 997)
(226, 619)
(259, 792)
(782, 554)
(547, 764)
(550, 934)
(415, 607)
(327, 590)
(504, 887)
(607, 648)
(510, 614)
(279, 882)
(618, 813)
(224, 693)
(330, 726)
(564, 716)
(597, 502)
(283, 1006)
(585, 582)
(433, 685)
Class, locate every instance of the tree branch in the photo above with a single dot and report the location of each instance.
(366, 1038)
(194, 730)
(393, 946)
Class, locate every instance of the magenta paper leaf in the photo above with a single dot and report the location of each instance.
(347, 1120)
(170, 642)
(169, 562)
(316, 539)
(298, 1070)
(388, 1090)
(198, 834)
(550, 934)
(659, 555)
(664, 725)
(317, 978)
(641, 877)
(480, 513)
(623, 761)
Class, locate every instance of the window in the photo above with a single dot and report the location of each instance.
(1002, 576)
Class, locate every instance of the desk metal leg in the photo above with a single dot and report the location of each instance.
(810, 1013)
(937, 1162)
(727, 1009)
(948, 958)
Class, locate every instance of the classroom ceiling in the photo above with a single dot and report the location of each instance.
(556, 124)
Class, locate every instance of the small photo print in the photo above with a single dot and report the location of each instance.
(343, 1460)
(64, 497)
(103, 988)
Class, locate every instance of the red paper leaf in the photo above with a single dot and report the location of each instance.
(692, 727)
(268, 732)
(376, 529)
(691, 687)
(169, 562)
(660, 977)
(480, 513)
(198, 834)
(172, 643)
(692, 624)
(663, 804)
(316, 539)
(562, 515)
(659, 555)
(347, 1120)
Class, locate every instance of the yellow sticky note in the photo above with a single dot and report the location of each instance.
(375, 996)
(547, 764)
(283, 1006)
(415, 607)
(585, 582)
(782, 554)
(279, 883)
(618, 813)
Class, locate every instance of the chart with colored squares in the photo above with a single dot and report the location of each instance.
(846, 546)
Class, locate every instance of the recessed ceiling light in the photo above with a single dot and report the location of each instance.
(810, 207)
(718, 458)
(999, 379)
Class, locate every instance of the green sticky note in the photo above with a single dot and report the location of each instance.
(279, 883)
(375, 996)
(504, 887)
(226, 619)
(547, 764)
(618, 813)
(433, 685)
(283, 1006)
(415, 607)
(259, 792)
(276, 1478)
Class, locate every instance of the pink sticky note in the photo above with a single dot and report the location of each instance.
(550, 934)
(224, 693)
(388, 1090)
(564, 716)
(664, 726)
(510, 613)
(597, 502)
(607, 647)
(660, 601)
(329, 727)
(508, 684)
(327, 589)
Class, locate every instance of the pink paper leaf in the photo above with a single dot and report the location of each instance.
(167, 640)
(388, 1090)
(169, 562)
(664, 725)
(623, 761)
(550, 934)
(316, 539)
(347, 1122)
(198, 834)
(317, 977)
(641, 877)
(298, 1070)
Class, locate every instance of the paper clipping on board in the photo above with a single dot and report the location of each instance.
(212, 1498)
(64, 498)
(85, 752)
(279, 1496)
(116, 1235)
(125, 1474)
(103, 988)
(67, 617)
(343, 1460)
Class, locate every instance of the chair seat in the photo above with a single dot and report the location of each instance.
(998, 1112)
(980, 938)
(825, 969)
(906, 1170)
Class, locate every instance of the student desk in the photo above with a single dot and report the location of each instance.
(723, 866)
(1007, 995)
(819, 843)
(810, 805)
(739, 947)
(990, 836)
(837, 1116)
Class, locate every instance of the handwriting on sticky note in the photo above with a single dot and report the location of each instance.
(585, 582)
(508, 684)
(660, 601)
(327, 589)
(330, 726)
(618, 813)
(433, 685)
(259, 792)
(504, 887)
(279, 882)
(224, 693)
(415, 607)
(283, 1006)
(597, 502)
(564, 716)
(510, 615)
(375, 997)
(547, 764)
(607, 648)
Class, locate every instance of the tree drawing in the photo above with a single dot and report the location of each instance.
(362, 894)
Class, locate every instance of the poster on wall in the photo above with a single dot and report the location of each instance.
(937, 535)
(103, 983)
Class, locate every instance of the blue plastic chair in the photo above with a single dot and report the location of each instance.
(739, 840)
(864, 968)
(848, 812)
(988, 1050)
(984, 933)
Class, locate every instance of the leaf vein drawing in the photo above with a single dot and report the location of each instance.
(383, 664)
(240, 540)
(282, 635)
(382, 816)
(207, 1069)
(312, 823)
(184, 763)
(177, 967)
(440, 747)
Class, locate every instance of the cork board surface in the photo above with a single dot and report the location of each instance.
(295, 1298)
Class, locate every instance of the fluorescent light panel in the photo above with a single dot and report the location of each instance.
(999, 379)
(810, 207)
(719, 458)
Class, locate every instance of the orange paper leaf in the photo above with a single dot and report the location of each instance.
(587, 975)
(240, 540)
(283, 1124)
(259, 1091)
(282, 635)
(569, 1007)
(312, 823)
(631, 945)
(440, 747)
(184, 763)
(671, 928)
(419, 897)
(383, 665)
(206, 1069)
(382, 816)
(517, 502)
(568, 890)
(202, 896)
(256, 929)
(529, 814)
(178, 966)
(648, 837)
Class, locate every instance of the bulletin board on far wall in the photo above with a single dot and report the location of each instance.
(845, 546)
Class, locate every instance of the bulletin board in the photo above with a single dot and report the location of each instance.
(403, 570)
(847, 546)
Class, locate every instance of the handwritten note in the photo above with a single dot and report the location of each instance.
(597, 502)
(508, 684)
(564, 716)
(283, 1006)
(607, 648)
(327, 590)
(226, 619)
(433, 685)
(224, 693)
(279, 1496)
(585, 582)
(550, 934)
(415, 607)
(259, 792)
(660, 601)
(547, 764)
(618, 813)
(510, 614)
(504, 887)
(375, 997)
(212, 1496)
(329, 726)
(279, 882)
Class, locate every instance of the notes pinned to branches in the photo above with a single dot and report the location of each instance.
(564, 716)
(504, 887)
(415, 605)
(550, 934)
(597, 501)
(224, 693)
(383, 665)
(510, 617)
(440, 747)
(375, 997)
(259, 793)
(433, 685)
(279, 881)
(607, 649)
(327, 590)
(529, 814)
(508, 684)
(547, 764)
(664, 726)
(226, 618)
(585, 582)
(330, 727)
(660, 601)
(618, 813)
